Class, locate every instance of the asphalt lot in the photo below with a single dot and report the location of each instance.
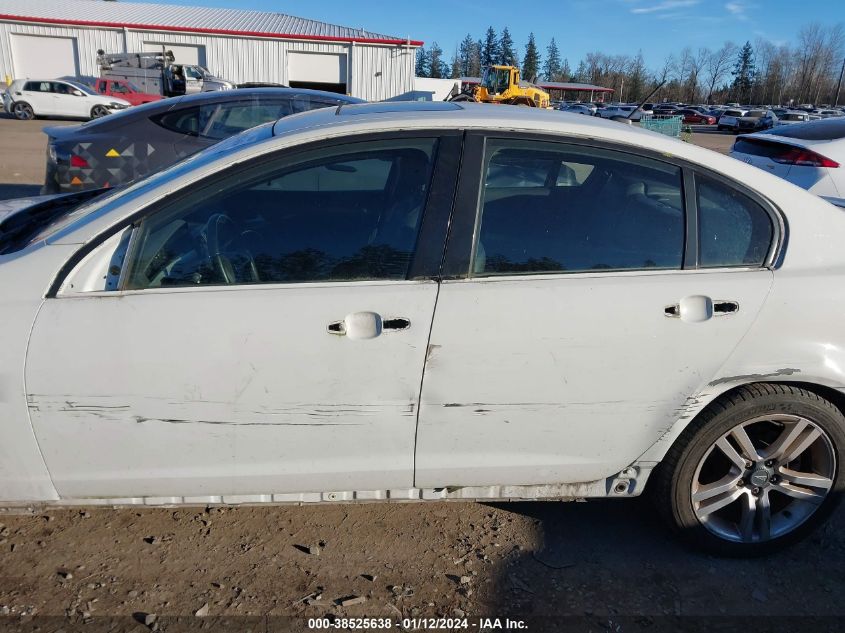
(609, 565)
(23, 147)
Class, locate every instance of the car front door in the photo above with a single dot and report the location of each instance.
(577, 316)
(267, 336)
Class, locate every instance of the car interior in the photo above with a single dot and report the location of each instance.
(336, 218)
(578, 211)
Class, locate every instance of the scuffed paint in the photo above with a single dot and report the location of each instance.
(745, 378)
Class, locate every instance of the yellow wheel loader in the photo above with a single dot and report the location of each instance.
(501, 84)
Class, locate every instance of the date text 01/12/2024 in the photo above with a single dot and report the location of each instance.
(411, 624)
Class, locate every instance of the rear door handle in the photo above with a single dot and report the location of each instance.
(697, 308)
(366, 325)
(721, 308)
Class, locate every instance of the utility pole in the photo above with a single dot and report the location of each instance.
(839, 84)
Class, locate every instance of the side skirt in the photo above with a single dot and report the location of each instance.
(628, 483)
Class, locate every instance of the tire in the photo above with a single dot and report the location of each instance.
(23, 111)
(99, 111)
(686, 482)
(463, 97)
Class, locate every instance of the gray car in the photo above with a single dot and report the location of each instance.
(142, 140)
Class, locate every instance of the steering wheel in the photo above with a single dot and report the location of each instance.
(222, 239)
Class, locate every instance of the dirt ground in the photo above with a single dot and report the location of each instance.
(605, 565)
(597, 566)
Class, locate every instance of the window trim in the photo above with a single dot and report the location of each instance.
(433, 225)
(465, 221)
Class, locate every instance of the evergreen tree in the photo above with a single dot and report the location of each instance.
(457, 69)
(507, 55)
(565, 73)
(475, 60)
(531, 63)
(466, 53)
(744, 73)
(422, 67)
(436, 66)
(490, 48)
(551, 67)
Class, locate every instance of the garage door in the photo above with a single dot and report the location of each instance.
(44, 57)
(319, 71)
(184, 54)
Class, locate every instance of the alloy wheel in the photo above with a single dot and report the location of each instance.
(24, 112)
(763, 478)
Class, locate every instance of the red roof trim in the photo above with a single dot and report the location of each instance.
(186, 29)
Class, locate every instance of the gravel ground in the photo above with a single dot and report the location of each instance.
(602, 561)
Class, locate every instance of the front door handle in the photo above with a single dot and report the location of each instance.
(366, 325)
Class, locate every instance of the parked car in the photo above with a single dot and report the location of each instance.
(26, 99)
(790, 117)
(729, 118)
(629, 112)
(694, 116)
(809, 155)
(125, 90)
(827, 113)
(579, 108)
(147, 138)
(306, 257)
(755, 121)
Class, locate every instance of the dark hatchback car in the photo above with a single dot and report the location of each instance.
(142, 140)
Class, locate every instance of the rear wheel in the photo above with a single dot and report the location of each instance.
(99, 111)
(757, 471)
(23, 111)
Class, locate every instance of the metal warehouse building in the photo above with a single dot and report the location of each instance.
(60, 38)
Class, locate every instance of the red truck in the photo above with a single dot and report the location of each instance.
(124, 90)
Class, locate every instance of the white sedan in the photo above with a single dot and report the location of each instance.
(28, 98)
(425, 301)
(810, 155)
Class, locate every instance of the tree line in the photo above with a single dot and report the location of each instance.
(763, 72)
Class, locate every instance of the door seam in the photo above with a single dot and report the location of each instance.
(422, 380)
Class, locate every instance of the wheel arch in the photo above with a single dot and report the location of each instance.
(694, 406)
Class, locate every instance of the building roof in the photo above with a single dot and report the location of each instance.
(169, 17)
(548, 85)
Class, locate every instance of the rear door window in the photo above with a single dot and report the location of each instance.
(552, 207)
(734, 230)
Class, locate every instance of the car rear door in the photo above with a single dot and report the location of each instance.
(268, 338)
(582, 309)
(39, 95)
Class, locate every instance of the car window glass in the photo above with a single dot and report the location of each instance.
(219, 121)
(564, 208)
(345, 213)
(305, 102)
(102, 87)
(184, 120)
(734, 230)
(62, 89)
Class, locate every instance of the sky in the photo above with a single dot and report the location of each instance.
(656, 27)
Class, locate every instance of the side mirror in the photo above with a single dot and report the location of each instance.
(78, 93)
